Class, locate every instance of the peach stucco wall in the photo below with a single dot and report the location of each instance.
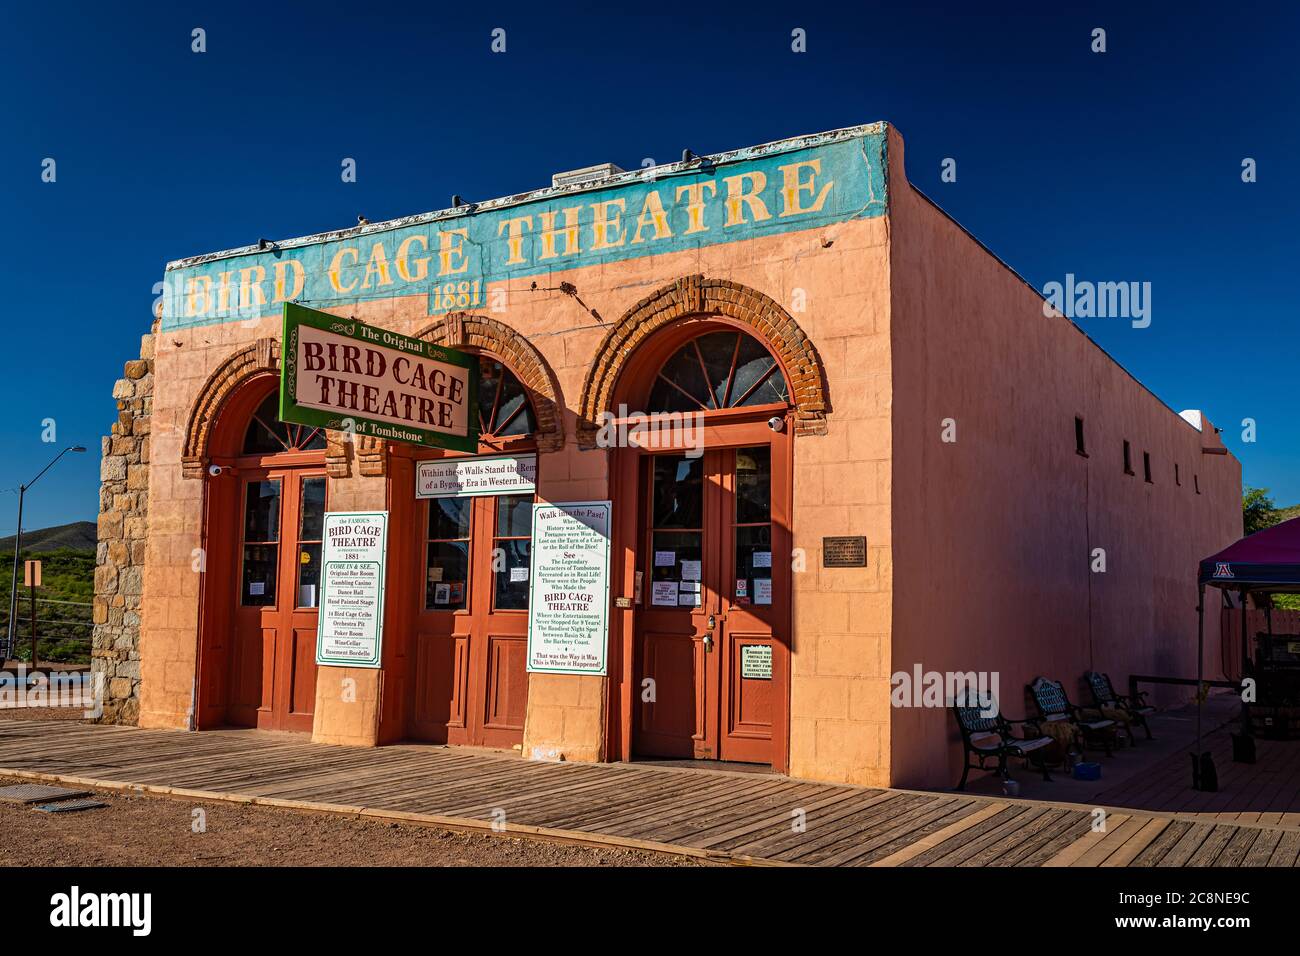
(980, 564)
(992, 534)
(833, 280)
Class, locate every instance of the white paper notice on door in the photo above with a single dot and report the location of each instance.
(442, 594)
(256, 587)
(762, 559)
(664, 594)
(690, 570)
(665, 559)
(518, 574)
(762, 590)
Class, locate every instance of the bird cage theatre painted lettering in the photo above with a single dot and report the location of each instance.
(679, 463)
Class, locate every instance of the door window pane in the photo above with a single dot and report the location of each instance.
(754, 564)
(258, 583)
(677, 536)
(512, 579)
(515, 516)
(675, 569)
(312, 519)
(514, 529)
(753, 526)
(261, 552)
(262, 511)
(311, 523)
(309, 575)
(449, 518)
(753, 485)
(446, 575)
(678, 492)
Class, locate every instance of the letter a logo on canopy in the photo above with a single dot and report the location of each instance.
(343, 374)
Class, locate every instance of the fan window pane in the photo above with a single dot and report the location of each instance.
(503, 407)
(718, 370)
(267, 435)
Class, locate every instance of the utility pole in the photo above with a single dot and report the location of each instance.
(35, 579)
(12, 629)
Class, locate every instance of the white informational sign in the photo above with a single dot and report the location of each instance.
(349, 631)
(568, 591)
(663, 593)
(690, 570)
(467, 477)
(756, 661)
(762, 590)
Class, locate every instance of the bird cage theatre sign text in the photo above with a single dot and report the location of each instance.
(362, 380)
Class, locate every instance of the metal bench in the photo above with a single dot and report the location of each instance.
(1133, 706)
(1054, 707)
(992, 738)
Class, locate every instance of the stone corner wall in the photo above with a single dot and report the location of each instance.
(119, 559)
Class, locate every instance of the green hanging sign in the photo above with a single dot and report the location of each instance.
(355, 378)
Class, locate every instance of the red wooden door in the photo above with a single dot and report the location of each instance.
(709, 632)
(273, 667)
(471, 681)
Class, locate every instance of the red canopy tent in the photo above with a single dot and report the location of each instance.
(1267, 560)
(1261, 563)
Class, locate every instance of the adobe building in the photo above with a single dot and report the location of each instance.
(904, 462)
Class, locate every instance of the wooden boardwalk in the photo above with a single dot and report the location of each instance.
(723, 816)
(1267, 791)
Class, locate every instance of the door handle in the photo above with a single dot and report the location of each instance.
(708, 633)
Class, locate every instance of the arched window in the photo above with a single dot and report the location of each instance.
(718, 370)
(503, 408)
(267, 435)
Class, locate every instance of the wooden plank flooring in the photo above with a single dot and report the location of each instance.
(737, 817)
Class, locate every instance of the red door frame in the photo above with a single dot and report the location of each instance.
(722, 429)
(409, 517)
(221, 537)
(288, 668)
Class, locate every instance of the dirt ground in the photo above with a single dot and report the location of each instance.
(41, 713)
(143, 830)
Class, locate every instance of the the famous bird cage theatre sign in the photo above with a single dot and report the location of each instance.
(362, 380)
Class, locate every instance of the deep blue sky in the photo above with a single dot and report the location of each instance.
(1117, 166)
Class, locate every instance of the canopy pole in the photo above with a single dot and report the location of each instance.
(1245, 640)
(1200, 662)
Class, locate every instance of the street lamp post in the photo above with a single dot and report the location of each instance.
(18, 550)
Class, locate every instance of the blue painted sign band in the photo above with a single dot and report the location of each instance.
(456, 258)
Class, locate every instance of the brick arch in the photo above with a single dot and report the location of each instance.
(463, 330)
(240, 367)
(697, 296)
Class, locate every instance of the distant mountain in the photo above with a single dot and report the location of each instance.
(79, 535)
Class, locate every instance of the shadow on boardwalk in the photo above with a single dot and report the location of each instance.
(709, 814)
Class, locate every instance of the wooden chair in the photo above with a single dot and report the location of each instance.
(987, 738)
(1134, 708)
(1055, 707)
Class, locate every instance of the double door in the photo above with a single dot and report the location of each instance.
(273, 666)
(471, 651)
(711, 630)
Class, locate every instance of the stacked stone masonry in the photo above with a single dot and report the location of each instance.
(119, 559)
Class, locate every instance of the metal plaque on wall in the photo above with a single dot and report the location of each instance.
(848, 551)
